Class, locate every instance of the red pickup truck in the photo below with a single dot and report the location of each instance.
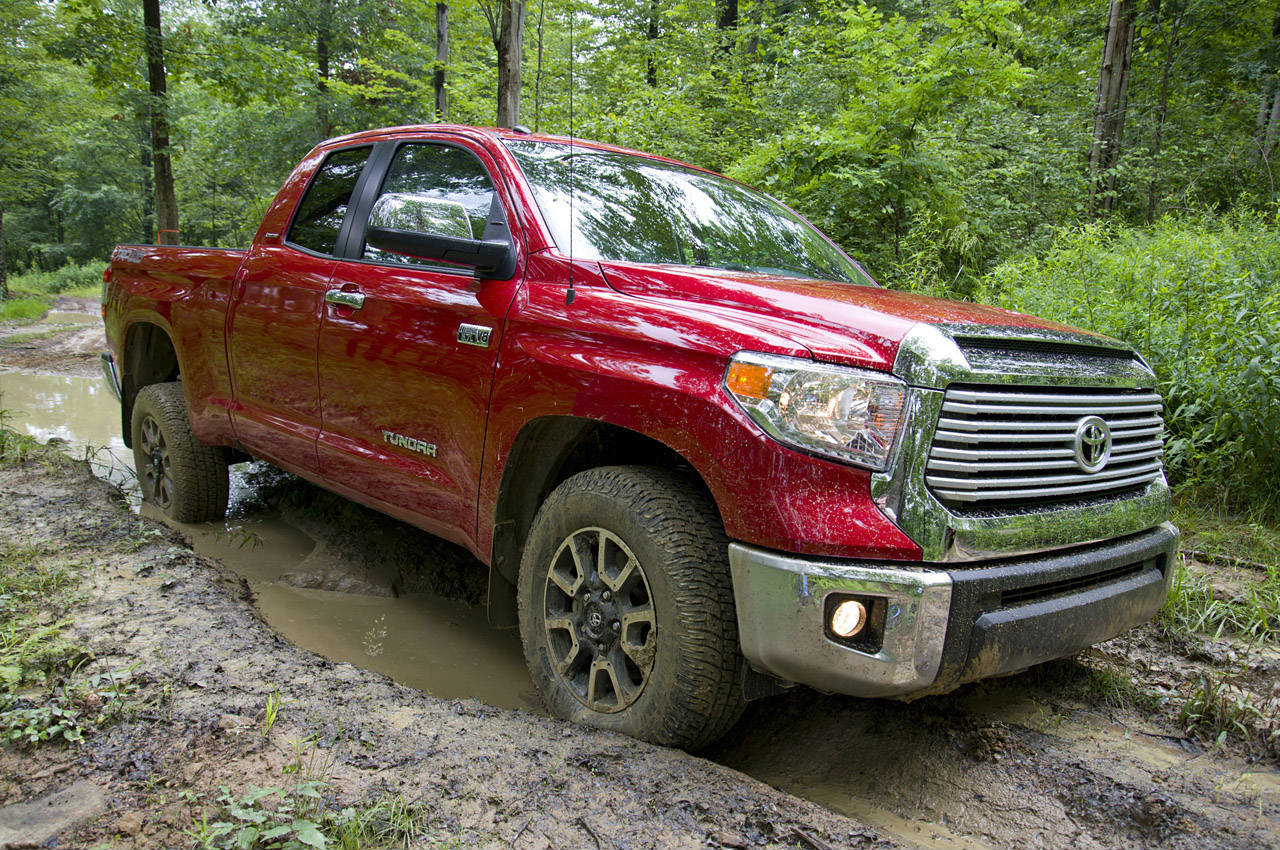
(702, 453)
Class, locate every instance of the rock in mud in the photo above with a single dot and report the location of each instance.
(36, 823)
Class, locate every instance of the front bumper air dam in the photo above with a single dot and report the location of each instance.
(946, 627)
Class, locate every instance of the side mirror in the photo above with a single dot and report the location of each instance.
(435, 229)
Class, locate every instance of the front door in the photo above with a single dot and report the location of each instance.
(275, 317)
(407, 352)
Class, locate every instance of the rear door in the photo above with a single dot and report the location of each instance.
(408, 347)
(274, 320)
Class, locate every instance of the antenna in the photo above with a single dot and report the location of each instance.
(573, 190)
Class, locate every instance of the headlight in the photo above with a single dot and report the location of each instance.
(838, 411)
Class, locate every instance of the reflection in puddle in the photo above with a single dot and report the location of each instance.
(76, 410)
(441, 646)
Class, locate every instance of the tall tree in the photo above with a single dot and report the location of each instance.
(442, 59)
(1268, 126)
(1111, 101)
(1168, 22)
(651, 38)
(324, 36)
(166, 201)
(506, 27)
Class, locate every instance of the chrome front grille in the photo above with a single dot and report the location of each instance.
(1005, 446)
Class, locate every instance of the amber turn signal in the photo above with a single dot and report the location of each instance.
(749, 379)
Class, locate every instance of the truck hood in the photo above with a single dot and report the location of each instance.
(839, 322)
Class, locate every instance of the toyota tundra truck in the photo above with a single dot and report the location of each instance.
(702, 454)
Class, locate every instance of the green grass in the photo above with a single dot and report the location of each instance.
(32, 293)
(296, 818)
(22, 309)
(1247, 551)
(83, 280)
(1195, 606)
(1219, 709)
(1208, 526)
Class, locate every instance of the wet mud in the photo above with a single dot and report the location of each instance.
(1036, 760)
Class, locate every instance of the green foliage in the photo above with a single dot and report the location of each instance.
(14, 448)
(1200, 297)
(265, 819)
(73, 278)
(24, 725)
(1196, 606)
(1219, 708)
(20, 309)
(296, 818)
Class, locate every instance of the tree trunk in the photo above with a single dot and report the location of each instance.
(1111, 102)
(651, 46)
(146, 180)
(1273, 128)
(509, 41)
(1269, 110)
(726, 23)
(4, 269)
(537, 75)
(166, 202)
(324, 33)
(442, 59)
(726, 14)
(1162, 115)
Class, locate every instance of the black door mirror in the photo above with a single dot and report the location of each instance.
(435, 229)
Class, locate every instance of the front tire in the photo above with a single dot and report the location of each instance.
(626, 607)
(186, 480)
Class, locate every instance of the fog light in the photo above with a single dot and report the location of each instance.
(848, 618)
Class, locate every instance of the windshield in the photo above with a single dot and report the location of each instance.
(640, 210)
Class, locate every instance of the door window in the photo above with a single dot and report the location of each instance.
(324, 206)
(440, 189)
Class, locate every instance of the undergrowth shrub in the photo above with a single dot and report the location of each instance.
(81, 279)
(1200, 298)
(22, 308)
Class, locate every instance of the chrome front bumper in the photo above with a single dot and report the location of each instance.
(944, 627)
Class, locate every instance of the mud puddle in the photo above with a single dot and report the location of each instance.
(80, 412)
(316, 597)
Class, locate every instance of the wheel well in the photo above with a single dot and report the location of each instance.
(547, 452)
(149, 358)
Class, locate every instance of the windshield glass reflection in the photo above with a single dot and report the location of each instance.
(639, 210)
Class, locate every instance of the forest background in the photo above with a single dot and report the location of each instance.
(1108, 163)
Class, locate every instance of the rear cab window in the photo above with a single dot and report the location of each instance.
(322, 211)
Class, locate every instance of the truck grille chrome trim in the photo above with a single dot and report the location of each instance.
(1010, 446)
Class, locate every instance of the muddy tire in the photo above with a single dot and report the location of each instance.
(184, 479)
(626, 607)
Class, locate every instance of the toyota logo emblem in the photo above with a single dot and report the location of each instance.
(1092, 443)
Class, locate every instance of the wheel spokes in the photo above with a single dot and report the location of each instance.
(156, 475)
(599, 620)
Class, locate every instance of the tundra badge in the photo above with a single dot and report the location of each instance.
(428, 449)
(477, 335)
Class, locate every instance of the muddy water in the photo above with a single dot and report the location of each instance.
(78, 411)
(315, 597)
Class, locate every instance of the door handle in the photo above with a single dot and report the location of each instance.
(353, 300)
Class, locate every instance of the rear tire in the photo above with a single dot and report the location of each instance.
(187, 481)
(626, 607)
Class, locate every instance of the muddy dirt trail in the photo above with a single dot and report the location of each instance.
(1052, 758)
